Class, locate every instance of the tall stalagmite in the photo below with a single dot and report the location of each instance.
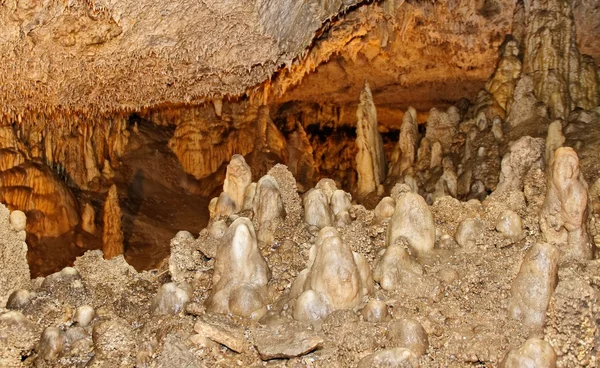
(112, 235)
(370, 159)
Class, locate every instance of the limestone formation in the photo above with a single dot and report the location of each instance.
(14, 270)
(19, 299)
(524, 154)
(34, 189)
(88, 218)
(551, 57)
(240, 273)
(533, 353)
(502, 83)
(237, 180)
(525, 107)
(336, 278)
(316, 209)
(18, 334)
(554, 140)
(447, 184)
(384, 209)
(112, 234)
(413, 221)
(442, 127)
(269, 212)
(370, 159)
(563, 218)
(533, 287)
(340, 205)
(405, 153)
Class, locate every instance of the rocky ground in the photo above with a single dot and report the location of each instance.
(446, 307)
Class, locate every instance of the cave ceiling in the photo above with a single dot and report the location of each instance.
(103, 56)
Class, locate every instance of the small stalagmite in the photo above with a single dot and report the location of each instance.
(563, 218)
(412, 220)
(370, 159)
(405, 153)
(237, 179)
(112, 234)
(268, 209)
(88, 218)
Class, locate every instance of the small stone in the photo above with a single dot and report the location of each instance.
(509, 224)
(19, 299)
(195, 309)
(468, 232)
(84, 315)
(286, 344)
(51, 343)
(224, 332)
(375, 311)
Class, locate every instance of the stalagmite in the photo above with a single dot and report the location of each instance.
(268, 209)
(112, 234)
(316, 209)
(535, 353)
(524, 154)
(564, 215)
(88, 218)
(405, 152)
(533, 287)
(413, 221)
(336, 278)
(442, 127)
(370, 159)
(502, 83)
(237, 179)
(554, 140)
(240, 273)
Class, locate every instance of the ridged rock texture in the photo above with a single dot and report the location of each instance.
(129, 54)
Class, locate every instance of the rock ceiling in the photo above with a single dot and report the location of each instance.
(124, 55)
